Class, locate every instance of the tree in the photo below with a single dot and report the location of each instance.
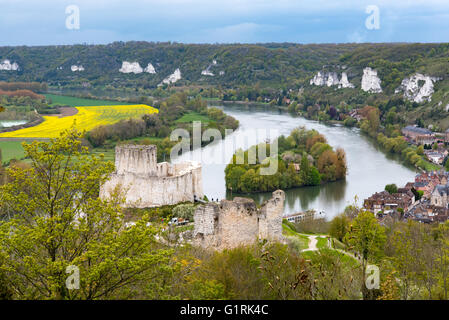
(407, 243)
(309, 174)
(391, 188)
(366, 237)
(339, 226)
(57, 220)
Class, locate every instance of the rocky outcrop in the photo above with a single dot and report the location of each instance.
(417, 88)
(229, 224)
(331, 79)
(175, 76)
(207, 72)
(6, 65)
(344, 82)
(130, 67)
(75, 68)
(150, 69)
(370, 81)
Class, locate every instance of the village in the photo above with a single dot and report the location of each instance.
(425, 199)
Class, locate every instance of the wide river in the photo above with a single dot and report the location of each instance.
(369, 169)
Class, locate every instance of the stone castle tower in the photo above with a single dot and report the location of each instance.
(229, 224)
(151, 184)
(141, 160)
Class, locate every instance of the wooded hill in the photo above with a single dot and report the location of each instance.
(271, 64)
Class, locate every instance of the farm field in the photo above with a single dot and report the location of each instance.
(87, 118)
(11, 149)
(79, 102)
(193, 116)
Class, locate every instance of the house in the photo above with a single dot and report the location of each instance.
(439, 196)
(418, 135)
(435, 156)
(390, 203)
(427, 213)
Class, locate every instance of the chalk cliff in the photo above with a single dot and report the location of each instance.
(370, 81)
(175, 76)
(130, 67)
(75, 68)
(418, 87)
(8, 66)
(331, 79)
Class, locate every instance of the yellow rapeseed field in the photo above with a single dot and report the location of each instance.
(87, 118)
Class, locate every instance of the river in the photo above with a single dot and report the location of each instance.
(10, 123)
(369, 169)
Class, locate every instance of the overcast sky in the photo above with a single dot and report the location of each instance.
(43, 22)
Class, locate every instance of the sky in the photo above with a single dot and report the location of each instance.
(53, 22)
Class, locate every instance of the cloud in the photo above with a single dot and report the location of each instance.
(43, 22)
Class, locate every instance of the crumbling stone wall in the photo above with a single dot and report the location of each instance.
(150, 184)
(229, 224)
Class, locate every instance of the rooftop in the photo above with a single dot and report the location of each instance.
(418, 130)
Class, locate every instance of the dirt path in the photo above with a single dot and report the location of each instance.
(64, 112)
(312, 244)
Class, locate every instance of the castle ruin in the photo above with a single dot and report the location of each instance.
(151, 184)
(229, 224)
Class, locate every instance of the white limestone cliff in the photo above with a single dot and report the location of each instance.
(344, 82)
(331, 79)
(75, 68)
(370, 81)
(175, 76)
(8, 66)
(150, 69)
(131, 67)
(318, 79)
(417, 88)
(207, 72)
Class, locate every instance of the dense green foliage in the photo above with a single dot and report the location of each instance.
(304, 159)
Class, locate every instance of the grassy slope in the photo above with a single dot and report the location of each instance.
(301, 241)
(11, 149)
(80, 102)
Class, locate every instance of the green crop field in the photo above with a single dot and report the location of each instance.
(80, 102)
(193, 116)
(11, 149)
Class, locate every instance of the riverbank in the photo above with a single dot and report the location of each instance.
(424, 165)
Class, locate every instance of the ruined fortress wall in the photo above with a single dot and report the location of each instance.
(272, 212)
(136, 159)
(148, 183)
(239, 222)
(206, 222)
(151, 191)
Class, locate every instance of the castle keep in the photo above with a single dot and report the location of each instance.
(151, 184)
(229, 224)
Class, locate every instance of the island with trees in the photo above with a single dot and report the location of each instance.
(304, 158)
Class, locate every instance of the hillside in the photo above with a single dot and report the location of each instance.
(410, 76)
(236, 64)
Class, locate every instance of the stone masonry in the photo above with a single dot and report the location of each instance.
(151, 184)
(229, 224)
